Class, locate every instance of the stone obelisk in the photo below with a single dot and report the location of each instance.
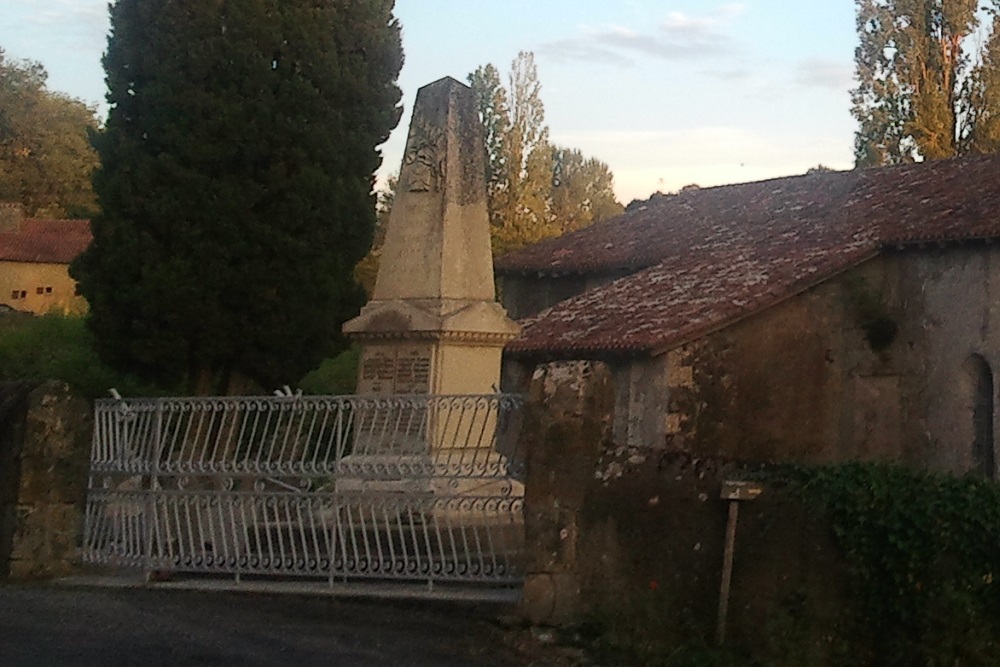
(433, 325)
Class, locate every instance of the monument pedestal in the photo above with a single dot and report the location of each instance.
(424, 346)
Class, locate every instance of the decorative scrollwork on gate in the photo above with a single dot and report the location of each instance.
(399, 487)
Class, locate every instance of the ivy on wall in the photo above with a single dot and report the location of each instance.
(923, 553)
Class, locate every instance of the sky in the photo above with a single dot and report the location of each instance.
(667, 92)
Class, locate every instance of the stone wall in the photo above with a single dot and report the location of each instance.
(877, 363)
(613, 529)
(49, 476)
(13, 409)
(893, 360)
(567, 421)
(796, 382)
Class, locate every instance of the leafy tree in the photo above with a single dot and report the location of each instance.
(236, 183)
(819, 169)
(582, 190)
(535, 190)
(925, 87)
(45, 158)
(518, 155)
(984, 95)
(494, 111)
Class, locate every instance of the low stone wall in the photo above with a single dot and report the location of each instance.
(622, 530)
(49, 474)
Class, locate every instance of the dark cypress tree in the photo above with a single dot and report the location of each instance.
(236, 182)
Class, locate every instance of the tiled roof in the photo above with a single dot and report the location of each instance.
(703, 258)
(45, 241)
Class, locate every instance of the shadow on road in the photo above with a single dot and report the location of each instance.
(78, 627)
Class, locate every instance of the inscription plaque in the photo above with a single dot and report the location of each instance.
(396, 370)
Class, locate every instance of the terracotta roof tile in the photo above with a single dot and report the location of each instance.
(703, 258)
(45, 241)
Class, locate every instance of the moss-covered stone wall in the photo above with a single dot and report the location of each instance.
(46, 483)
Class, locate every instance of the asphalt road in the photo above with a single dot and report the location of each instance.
(51, 625)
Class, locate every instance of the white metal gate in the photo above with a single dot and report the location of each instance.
(422, 488)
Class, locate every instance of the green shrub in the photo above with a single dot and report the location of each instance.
(59, 347)
(335, 376)
(922, 557)
(923, 552)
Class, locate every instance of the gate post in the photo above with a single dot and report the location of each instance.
(566, 429)
(154, 470)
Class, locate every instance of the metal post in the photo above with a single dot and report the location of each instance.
(154, 483)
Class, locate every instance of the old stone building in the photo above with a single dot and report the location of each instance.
(34, 262)
(818, 318)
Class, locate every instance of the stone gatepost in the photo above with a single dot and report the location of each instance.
(433, 325)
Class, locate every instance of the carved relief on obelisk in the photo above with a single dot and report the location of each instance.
(423, 161)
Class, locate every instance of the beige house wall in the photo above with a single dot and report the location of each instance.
(39, 288)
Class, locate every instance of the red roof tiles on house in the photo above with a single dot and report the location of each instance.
(703, 258)
(45, 241)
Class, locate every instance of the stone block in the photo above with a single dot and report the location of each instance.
(674, 423)
(551, 537)
(30, 535)
(680, 376)
(550, 598)
(21, 570)
(36, 481)
(64, 524)
(45, 539)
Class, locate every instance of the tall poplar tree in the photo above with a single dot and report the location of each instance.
(926, 87)
(236, 183)
(535, 190)
(518, 157)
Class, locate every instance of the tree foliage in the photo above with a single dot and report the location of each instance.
(922, 552)
(582, 191)
(366, 271)
(236, 183)
(927, 81)
(45, 158)
(535, 190)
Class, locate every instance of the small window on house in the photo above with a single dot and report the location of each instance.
(39, 290)
(48, 290)
(24, 294)
(15, 294)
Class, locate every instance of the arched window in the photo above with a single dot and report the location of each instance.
(980, 379)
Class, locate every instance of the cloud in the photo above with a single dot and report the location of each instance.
(81, 20)
(680, 36)
(581, 49)
(730, 75)
(824, 73)
(63, 11)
